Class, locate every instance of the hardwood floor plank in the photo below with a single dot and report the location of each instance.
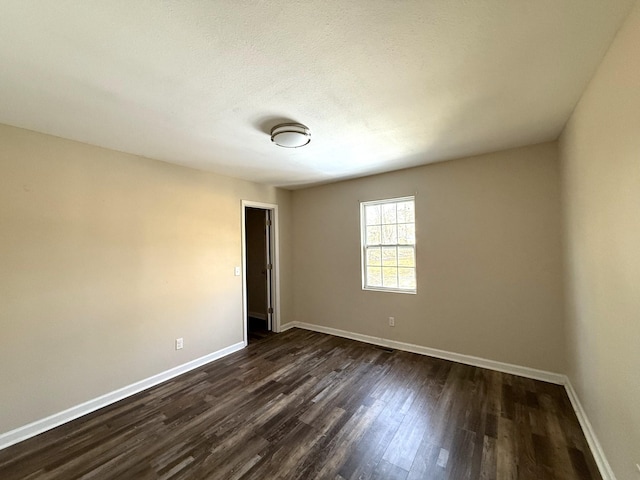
(304, 405)
(489, 463)
(363, 460)
(389, 471)
(429, 462)
(403, 447)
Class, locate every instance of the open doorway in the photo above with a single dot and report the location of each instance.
(260, 269)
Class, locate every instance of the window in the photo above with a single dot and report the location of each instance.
(389, 245)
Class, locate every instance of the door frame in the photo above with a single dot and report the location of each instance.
(275, 259)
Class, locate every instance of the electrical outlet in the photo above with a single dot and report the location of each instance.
(236, 271)
(392, 321)
(179, 343)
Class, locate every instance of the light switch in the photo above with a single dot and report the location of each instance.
(237, 271)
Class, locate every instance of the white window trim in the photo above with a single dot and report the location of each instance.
(363, 246)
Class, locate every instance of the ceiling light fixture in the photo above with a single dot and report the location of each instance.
(290, 135)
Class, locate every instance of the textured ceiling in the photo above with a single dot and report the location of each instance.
(382, 84)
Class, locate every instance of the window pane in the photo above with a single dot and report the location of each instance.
(388, 213)
(407, 278)
(406, 234)
(389, 257)
(374, 277)
(389, 234)
(406, 257)
(406, 212)
(390, 277)
(372, 214)
(373, 236)
(374, 256)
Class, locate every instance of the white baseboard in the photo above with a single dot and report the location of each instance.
(39, 426)
(589, 433)
(527, 372)
(287, 326)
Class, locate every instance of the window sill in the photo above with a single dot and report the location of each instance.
(389, 290)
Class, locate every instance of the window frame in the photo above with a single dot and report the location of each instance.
(363, 245)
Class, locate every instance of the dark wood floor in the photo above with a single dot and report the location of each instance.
(303, 405)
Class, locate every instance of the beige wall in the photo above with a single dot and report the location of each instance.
(488, 252)
(601, 185)
(105, 259)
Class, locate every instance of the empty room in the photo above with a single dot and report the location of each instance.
(320, 239)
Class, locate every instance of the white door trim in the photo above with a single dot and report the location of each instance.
(275, 256)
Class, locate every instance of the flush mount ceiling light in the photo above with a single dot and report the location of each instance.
(290, 135)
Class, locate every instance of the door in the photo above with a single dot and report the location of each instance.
(258, 270)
